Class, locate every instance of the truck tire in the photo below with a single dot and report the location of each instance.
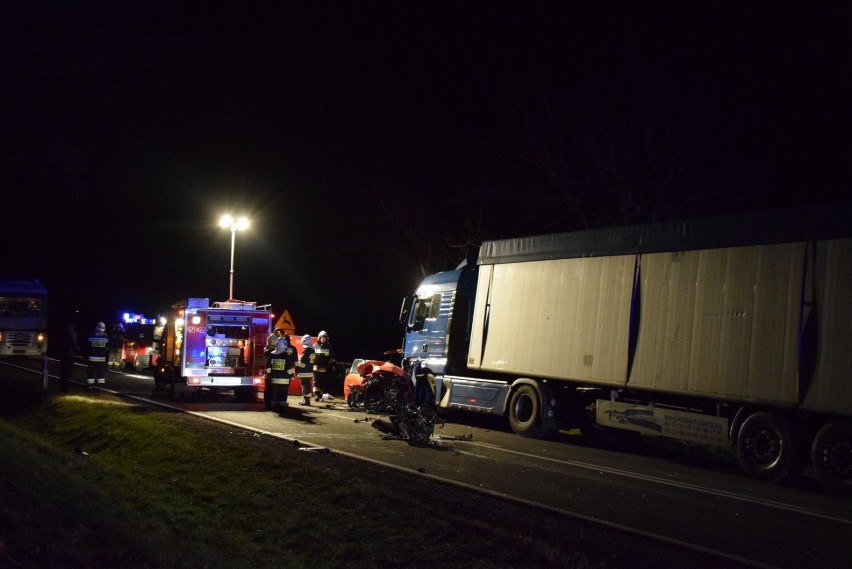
(525, 411)
(831, 457)
(765, 446)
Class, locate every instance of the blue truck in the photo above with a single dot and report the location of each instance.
(727, 330)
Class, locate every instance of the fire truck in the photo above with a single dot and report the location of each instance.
(212, 347)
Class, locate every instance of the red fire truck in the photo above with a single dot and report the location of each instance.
(213, 347)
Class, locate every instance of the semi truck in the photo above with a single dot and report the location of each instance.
(23, 318)
(212, 347)
(726, 330)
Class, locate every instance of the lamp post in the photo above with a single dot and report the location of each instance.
(234, 225)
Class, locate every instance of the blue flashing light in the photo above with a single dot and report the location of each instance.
(134, 318)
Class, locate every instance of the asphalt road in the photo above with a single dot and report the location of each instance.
(712, 508)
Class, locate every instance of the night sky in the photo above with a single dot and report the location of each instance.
(370, 142)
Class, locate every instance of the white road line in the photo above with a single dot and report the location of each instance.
(666, 482)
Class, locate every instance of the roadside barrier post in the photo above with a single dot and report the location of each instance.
(44, 370)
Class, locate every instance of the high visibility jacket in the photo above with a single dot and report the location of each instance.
(98, 347)
(324, 356)
(282, 366)
(306, 363)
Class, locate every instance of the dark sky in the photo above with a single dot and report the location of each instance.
(368, 141)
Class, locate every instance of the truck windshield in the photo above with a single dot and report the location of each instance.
(21, 304)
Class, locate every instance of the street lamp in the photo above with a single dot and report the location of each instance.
(234, 225)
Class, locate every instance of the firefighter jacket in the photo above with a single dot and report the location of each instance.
(98, 347)
(324, 357)
(306, 363)
(282, 365)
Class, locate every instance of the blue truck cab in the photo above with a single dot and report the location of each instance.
(437, 328)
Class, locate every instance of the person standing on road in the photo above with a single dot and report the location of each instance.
(115, 345)
(322, 367)
(271, 343)
(97, 357)
(306, 368)
(282, 365)
(68, 348)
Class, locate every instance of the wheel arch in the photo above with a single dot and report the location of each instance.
(513, 387)
(540, 423)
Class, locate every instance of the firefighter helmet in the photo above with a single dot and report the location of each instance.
(100, 327)
(307, 341)
(321, 334)
(281, 345)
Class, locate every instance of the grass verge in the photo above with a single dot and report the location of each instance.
(94, 481)
(91, 480)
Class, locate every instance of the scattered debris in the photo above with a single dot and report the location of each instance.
(467, 437)
(410, 423)
(79, 450)
(319, 450)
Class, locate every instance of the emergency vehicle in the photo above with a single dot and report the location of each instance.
(212, 347)
(138, 351)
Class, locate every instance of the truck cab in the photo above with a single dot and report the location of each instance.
(437, 328)
(23, 318)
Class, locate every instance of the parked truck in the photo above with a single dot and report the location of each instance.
(212, 347)
(732, 330)
(23, 318)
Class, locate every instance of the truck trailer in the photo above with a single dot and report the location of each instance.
(728, 330)
(212, 347)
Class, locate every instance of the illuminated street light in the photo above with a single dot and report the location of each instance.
(234, 225)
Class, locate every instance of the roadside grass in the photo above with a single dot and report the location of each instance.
(90, 480)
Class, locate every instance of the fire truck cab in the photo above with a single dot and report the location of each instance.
(212, 347)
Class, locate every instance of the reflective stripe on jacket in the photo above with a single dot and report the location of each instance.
(98, 348)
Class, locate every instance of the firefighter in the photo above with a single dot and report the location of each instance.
(305, 367)
(97, 357)
(271, 343)
(282, 366)
(115, 344)
(323, 366)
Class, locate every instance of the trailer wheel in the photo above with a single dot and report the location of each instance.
(765, 446)
(524, 411)
(831, 457)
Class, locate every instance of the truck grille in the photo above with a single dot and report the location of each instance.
(20, 339)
